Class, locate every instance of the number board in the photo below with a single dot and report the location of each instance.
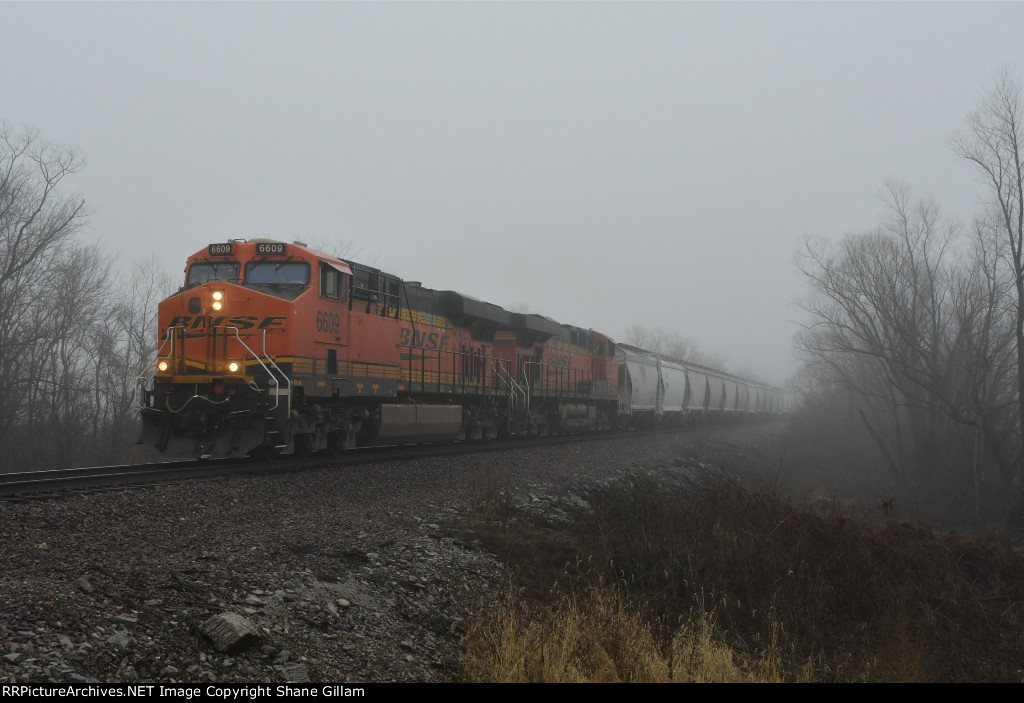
(270, 248)
(220, 250)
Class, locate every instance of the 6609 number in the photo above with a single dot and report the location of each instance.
(328, 322)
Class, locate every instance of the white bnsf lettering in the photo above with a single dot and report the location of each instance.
(270, 248)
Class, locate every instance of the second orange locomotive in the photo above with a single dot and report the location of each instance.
(274, 347)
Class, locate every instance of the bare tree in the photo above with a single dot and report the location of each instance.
(35, 215)
(124, 347)
(984, 313)
(913, 325)
(74, 338)
(346, 249)
(38, 220)
(671, 344)
(639, 336)
(682, 348)
(993, 142)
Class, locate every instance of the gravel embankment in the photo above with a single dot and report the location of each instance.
(346, 575)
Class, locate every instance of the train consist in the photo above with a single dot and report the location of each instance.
(273, 347)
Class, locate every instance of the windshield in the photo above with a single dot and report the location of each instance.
(277, 272)
(212, 271)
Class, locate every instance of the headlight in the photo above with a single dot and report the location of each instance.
(218, 300)
(162, 365)
(233, 366)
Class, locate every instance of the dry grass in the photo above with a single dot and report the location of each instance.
(724, 583)
(597, 637)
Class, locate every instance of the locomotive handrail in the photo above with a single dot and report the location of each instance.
(573, 386)
(493, 373)
(141, 380)
(273, 378)
(510, 382)
(273, 363)
(526, 380)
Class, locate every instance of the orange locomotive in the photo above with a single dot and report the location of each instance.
(274, 347)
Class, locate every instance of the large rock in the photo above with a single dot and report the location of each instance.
(230, 633)
(296, 672)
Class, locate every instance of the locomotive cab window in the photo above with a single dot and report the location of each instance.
(281, 273)
(212, 271)
(331, 282)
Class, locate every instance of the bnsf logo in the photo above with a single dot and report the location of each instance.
(242, 322)
(559, 360)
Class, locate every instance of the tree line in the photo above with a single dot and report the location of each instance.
(915, 330)
(75, 332)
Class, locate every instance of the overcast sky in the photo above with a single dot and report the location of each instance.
(604, 164)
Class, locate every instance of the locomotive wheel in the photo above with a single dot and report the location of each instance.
(165, 437)
(265, 452)
(335, 443)
(503, 429)
(303, 445)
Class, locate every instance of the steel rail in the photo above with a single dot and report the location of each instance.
(56, 483)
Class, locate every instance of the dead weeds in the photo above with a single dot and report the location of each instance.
(661, 574)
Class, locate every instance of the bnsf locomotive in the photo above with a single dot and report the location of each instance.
(273, 347)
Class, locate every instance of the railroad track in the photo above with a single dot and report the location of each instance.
(57, 483)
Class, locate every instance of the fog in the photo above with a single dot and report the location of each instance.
(605, 164)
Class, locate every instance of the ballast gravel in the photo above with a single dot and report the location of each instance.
(359, 574)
